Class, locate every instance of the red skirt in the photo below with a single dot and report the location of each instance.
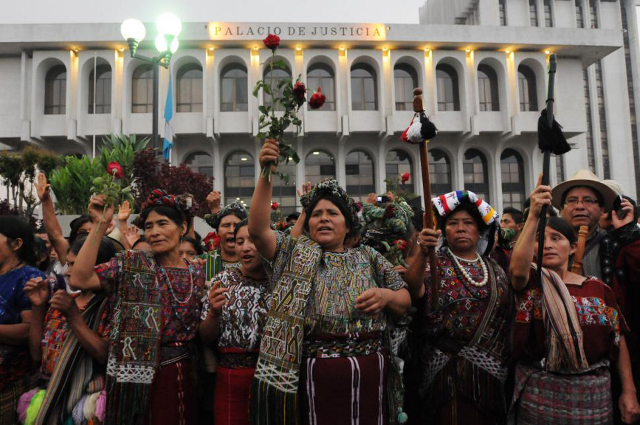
(172, 396)
(231, 400)
(344, 391)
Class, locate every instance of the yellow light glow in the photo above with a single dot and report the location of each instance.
(385, 48)
(547, 52)
(298, 48)
(427, 49)
(507, 51)
(342, 48)
(211, 49)
(468, 50)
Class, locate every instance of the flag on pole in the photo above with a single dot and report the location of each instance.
(168, 130)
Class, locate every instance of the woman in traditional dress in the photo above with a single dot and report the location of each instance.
(17, 258)
(238, 303)
(466, 348)
(68, 338)
(157, 303)
(568, 327)
(322, 357)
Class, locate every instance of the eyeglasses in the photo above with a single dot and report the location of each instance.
(587, 202)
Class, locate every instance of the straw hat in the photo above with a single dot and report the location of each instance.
(615, 186)
(588, 179)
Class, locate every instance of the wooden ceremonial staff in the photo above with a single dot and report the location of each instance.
(427, 218)
(546, 162)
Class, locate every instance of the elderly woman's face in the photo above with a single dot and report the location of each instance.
(162, 233)
(327, 225)
(462, 232)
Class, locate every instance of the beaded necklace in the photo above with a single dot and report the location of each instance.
(465, 275)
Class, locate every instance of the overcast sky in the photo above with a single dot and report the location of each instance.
(60, 11)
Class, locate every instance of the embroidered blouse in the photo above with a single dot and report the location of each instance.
(244, 315)
(13, 301)
(340, 279)
(182, 295)
(55, 334)
(600, 320)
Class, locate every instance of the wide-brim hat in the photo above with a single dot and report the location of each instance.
(588, 179)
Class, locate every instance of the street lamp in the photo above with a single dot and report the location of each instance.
(166, 43)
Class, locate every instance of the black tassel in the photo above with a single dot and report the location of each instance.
(428, 129)
(551, 139)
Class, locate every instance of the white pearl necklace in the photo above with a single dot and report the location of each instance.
(465, 275)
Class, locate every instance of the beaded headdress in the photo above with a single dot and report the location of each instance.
(330, 186)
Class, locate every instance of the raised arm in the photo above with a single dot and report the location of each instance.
(49, 219)
(83, 276)
(415, 274)
(523, 251)
(260, 214)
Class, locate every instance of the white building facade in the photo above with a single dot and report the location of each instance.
(482, 65)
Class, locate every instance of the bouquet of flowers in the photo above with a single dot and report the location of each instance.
(112, 187)
(291, 97)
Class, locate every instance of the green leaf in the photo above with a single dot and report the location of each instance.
(279, 64)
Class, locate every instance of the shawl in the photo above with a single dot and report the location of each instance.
(134, 351)
(74, 368)
(565, 349)
(274, 389)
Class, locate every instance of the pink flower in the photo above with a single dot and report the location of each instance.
(275, 206)
(212, 241)
(405, 177)
(317, 99)
(115, 170)
(271, 42)
(401, 244)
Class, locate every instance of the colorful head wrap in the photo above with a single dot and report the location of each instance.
(331, 186)
(182, 203)
(235, 208)
(445, 204)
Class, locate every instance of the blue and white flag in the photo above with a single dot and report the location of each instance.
(168, 130)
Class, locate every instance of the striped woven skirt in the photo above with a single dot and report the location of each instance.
(548, 398)
(344, 391)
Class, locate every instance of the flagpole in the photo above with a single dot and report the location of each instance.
(95, 79)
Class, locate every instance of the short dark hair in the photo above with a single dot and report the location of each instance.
(76, 224)
(238, 226)
(196, 245)
(140, 240)
(515, 214)
(468, 207)
(108, 248)
(171, 213)
(40, 247)
(14, 227)
(338, 202)
(561, 225)
(293, 216)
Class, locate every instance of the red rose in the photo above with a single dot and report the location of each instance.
(271, 42)
(115, 170)
(275, 206)
(388, 212)
(401, 244)
(299, 90)
(405, 177)
(317, 99)
(211, 241)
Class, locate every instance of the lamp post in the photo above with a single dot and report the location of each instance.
(166, 43)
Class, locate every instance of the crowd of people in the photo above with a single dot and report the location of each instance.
(329, 318)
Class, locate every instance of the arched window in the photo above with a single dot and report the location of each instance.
(321, 75)
(488, 95)
(359, 171)
(102, 90)
(405, 79)
(476, 177)
(447, 86)
(189, 88)
(284, 193)
(512, 170)
(364, 90)
(55, 91)
(200, 162)
(233, 88)
(397, 163)
(142, 90)
(439, 172)
(319, 165)
(527, 89)
(239, 178)
(277, 75)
